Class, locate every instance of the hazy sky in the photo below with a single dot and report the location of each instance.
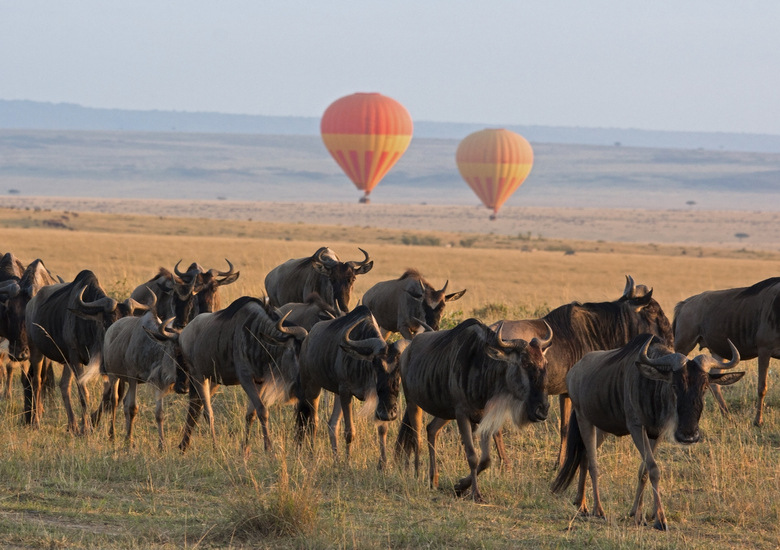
(699, 65)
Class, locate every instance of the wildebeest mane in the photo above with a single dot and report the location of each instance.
(759, 287)
(411, 273)
(231, 311)
(633, 347)
(360, 331)
(84, 278)
(161, 273)
(315, 299)
(455, 336)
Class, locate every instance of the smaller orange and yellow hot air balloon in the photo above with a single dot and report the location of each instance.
(366, 134)
(494, 162)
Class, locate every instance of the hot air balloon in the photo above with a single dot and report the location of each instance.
(494, 162)
(366, 134)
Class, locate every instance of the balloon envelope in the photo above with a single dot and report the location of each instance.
(494, 162)
(366, 134)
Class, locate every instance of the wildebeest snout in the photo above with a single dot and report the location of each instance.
(687, 438)
(539, 412)
(387, 413)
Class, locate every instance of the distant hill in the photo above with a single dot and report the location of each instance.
(33, 115)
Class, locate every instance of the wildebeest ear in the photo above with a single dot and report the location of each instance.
(229, 279)
(649, 371)
(497, 354)
(364, 268)
(363, 353)
(725, 378)
(454, 296)
(320, 268)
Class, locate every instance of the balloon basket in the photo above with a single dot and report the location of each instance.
(493, 217)
(364, 200)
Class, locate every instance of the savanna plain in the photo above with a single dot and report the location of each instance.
(65, 491)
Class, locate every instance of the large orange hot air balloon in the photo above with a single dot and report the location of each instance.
(366, 134)
(494, 163)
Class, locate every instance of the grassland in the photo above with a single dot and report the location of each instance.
(61, 491)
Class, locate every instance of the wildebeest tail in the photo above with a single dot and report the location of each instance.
(92, 369)
(575, 451)
(304, 418)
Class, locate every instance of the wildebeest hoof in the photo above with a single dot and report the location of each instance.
(661, 526)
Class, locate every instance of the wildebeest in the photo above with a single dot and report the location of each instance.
(11, 269)
(646, 390)
(580, 328)
(349, 357)
(138, 350)
(15, 293)
(246, 343)
(66, 322)
(470, 374)
(748, 316)
(186, 294)
(309, 312)
(322, 273)
(396, 304)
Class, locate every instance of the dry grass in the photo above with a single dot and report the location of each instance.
(65, 492)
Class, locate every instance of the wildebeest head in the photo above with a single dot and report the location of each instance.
(363, 340)
(649, 317)
(431, 301)
(526, 375)
(341, 275)
(195, 290)
(92, 303)
(689, 379)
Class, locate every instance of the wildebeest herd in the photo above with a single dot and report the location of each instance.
(618, 367)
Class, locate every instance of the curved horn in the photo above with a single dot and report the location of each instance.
(324, 261)
(178, 273)
(713, 363)
(426, 327)
(444, 288)
(366, 259)
(299, 333)
(166, 329)
(227, 273)
(499, 340)
(663, 364)
(106, 303)
(630, 289)
(545, 342)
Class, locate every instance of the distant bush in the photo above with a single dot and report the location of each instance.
(468, 243)
(420, 240)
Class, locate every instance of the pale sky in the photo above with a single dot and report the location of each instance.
(687, 65)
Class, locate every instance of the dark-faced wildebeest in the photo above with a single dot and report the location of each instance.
(398, 303)
(349, 357)
(139, 350)
(322, 273)
(580, 328)
(246, 343)
(646, 390)
(14, 296)
(186, 294)
(309, 312)
(470, 374)
(11, 269)
(748, 316)
(66, 322)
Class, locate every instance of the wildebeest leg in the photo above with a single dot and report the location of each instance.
(565, 404)
(498, 439)
(113, 401)
(589, 438)
(381, 431)
(9, 373)
(642, 442)
(433, 429)
(67, 375)
(193, 412)
(256, 406)
(158, 414)
(636, 508)
(467, 439)
(48, 380)
(408, 440)
(484, 463)
(333, 426)
(131, 410)
(763, 368)
(31, 382)
(209, 389)
(105, 401)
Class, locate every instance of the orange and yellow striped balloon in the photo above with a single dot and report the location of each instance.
(366, 134)
(494, 163)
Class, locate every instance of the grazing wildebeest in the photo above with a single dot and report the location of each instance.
(66, 322)
(309, 312)
(748, 316)
(646, 390)
(474, 376)
(322, 273)
(246, 343)
(138, 350)
(11, 269)
(580, 328)
(396, 304)
(349, 357)
(186, 294)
